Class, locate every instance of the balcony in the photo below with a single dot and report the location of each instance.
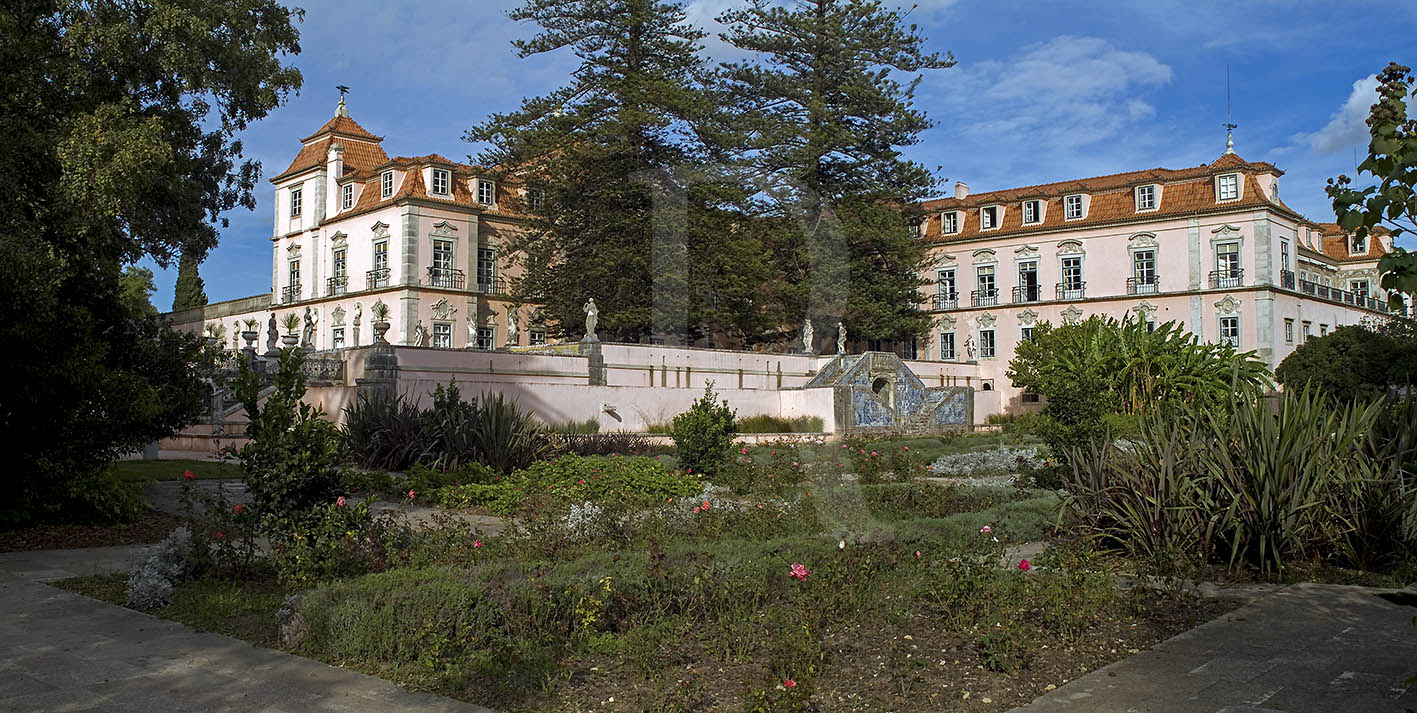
(984, 298)
(1325, 292)
(1144, 285)
(378, 277)
(491, 285)
(1286, 279)
(1071, 290)
(1221, 279)
(1027, 293)
(336, 285)
(946, 300)
(291, 293)
(446, 277)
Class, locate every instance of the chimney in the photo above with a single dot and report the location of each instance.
(334, 169)
(961, 190)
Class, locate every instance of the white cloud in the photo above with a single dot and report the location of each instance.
(1346, 128)
(1059, 95)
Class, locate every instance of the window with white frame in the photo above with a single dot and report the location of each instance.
(1288, 331)
(536, 337)
(1144, 271)
(1360, 245)
(441, 182)
(947, 346)
(535, 198)
(486, 269)
(1227, 264)
(443, 263)
(337, 337)
(339, 279)
(1025, 334)
(346, 196)
(380, 274)
(296, 199)
(1227, 187)
(989, 217)
(1028, 282)
(945, 286)
(1323, 330)
(293, 277)
(1305, 329)
(1230, 331)
(443, 335)
(1072, 207)
(949, 223)
(987, 346)
(486, 192)
(386, 184)
(1032, 212)
(1284, 255)
(1072, 277)
(1359, 288)
(1146, 197)
(987, 290)
(485, 338)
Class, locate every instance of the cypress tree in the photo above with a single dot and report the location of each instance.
(190, 292)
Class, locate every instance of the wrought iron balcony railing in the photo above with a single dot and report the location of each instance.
(1071, 290)
(336, 285)
(946, 300)
(378, 277)
(290, 293)
(1144, 285)
(1227, 278)
(1286, 279)
(984, 298)
(491, 285)
(446, 277)
(1027, 293)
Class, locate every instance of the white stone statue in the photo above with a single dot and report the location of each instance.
(969, 347)
(420, 335)
(312, 319)
(471, 331)
(592, 318)
(512, 318)
(840, 338)
(807, 336)
(358, 312)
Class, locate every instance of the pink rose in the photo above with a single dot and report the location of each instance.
(1024, 565)
(238, 508)
(339, 502)
(410, 495)
(986, 529)
(477, 544)
(789, 683)
(188, 475)
(799, 571)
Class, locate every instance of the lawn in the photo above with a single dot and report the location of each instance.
(143, 470)
(770, 586)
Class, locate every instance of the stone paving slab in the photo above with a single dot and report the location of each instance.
(61, 652)
(1308, 648)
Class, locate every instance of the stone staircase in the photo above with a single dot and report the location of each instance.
(922, 419)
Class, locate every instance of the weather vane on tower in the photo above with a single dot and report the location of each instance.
(1229, 125)
(341, 110)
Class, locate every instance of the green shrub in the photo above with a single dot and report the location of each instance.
(384, 431)
(587, 426)
(599, 444)
(291, 466)
(765, 423)
(622, 480)
(338, 540)
(703, 435)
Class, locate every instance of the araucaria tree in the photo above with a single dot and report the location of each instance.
(118, 124)
(619, 218)
(826, 106)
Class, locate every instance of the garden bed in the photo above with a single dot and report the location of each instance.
(151, 526)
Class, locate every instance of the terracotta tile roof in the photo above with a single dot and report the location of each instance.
(412, 186)
(343, 126)
(1336, 244)
(361, 148)
(1183, 192)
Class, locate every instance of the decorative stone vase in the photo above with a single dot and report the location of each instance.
(290, 340)
(380, 328)
(250, 338)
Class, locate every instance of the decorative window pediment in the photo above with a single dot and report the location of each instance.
(1145, 310)
(984, 254)
(987, 320)
(1229, 305)
(947, 324)
(945, 260)
(444, 229)
(381, 229)
(1072, 315)
(1071, 247)
(1142, 240)
(339, 240)
(338, 316)
(293, 251)
(1025, 252)
(1226, 232)
(443, 310)
(1028, 318)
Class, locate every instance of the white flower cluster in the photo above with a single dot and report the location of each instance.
(161, 568)
(977, 464)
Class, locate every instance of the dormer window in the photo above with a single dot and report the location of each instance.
(1072, 207)
(346, 196)
(386, 184)
(949, 223)
(486, 192)
(440, 182)
(1227, 187)
(1359, 245)
(989, 217)
(295, 202)
(1146, 197)
(1032, 211)
(535, 197)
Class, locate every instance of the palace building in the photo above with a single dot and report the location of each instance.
(1213, 248)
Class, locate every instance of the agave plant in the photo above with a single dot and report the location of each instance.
(380, 311)
(291, 322)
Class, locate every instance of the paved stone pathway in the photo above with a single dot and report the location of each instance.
(1308, 648)
(65, 652)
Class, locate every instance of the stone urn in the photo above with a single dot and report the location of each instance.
(249, 336)
(380, 328)
(290, 340)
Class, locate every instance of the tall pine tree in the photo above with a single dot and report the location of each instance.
(823, 119)
(622, 220)
(190, 291)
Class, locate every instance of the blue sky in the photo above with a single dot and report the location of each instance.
(1042, 91)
